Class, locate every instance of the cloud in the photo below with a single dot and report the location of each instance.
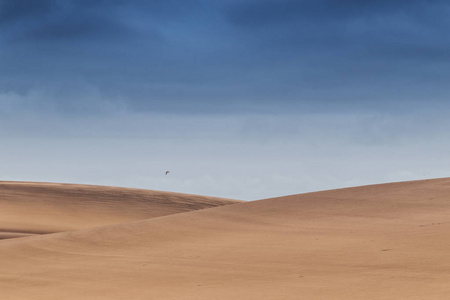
(232, 56)
(49, 21)
(266, 13)
(13, 11)
(246, 157)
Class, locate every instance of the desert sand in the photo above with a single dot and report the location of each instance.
(29, 208)
(388, 241)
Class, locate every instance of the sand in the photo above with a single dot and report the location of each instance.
(387, 241)
(29, 208)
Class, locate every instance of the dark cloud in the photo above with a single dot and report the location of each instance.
(52, 20)
(267, 12)
(11, 11)
(203, 56)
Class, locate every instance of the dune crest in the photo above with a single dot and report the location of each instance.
(29, 208)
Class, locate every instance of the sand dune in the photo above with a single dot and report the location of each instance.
(386, 241)
(37, 208)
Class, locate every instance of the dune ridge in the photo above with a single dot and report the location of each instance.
(374, 242)
(29, 208)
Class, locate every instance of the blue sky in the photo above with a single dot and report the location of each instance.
(246, 99)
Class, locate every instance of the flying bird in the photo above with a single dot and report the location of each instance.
(167, 172)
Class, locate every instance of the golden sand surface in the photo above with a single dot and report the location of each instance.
(388, 241)
(37, 208)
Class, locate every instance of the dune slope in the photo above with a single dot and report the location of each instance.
(36, 208)
(386, 241)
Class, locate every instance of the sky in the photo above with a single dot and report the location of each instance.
(245, 99)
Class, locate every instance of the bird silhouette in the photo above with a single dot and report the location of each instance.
(167, 172)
